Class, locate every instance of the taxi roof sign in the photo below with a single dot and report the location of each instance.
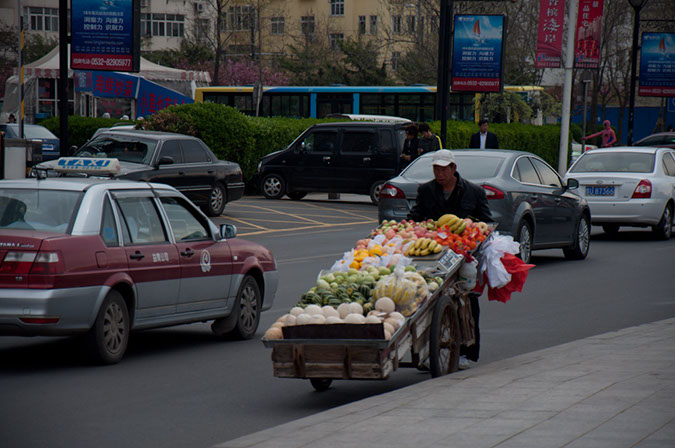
(87, 165)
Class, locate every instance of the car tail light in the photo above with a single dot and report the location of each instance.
(389, 191)
(17, 262)
(643, 190)
(493, 193)
(47, 263)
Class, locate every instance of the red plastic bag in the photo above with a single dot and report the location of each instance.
(518, 270)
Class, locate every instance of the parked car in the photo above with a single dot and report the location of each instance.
(527, 198)
(181, 161)
(628, 186)
(103, 257)
(50, 142)
(662, 139)
(577, 149)
(343, 157)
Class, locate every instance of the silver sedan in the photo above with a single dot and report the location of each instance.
(628, 186)
(527, 198)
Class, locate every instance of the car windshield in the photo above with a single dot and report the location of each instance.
(121, 147)
(604, 161)
(468, 166)
(35, 209)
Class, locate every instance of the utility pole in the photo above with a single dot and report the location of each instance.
(63, 77)
(443, 77)
(567, 86)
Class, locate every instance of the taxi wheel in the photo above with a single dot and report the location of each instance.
(108, 338)
(273, 186)
(216, 203)
(247, 307)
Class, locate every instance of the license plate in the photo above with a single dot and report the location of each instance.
(600, 191)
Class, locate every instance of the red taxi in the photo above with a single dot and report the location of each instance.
(101, 257)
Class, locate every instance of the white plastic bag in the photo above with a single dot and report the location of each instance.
(467, 275)
(491, 263)
(342, 265)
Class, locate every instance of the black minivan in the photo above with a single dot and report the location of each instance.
(343, 157)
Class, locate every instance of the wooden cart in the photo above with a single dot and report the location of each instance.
(435, 332)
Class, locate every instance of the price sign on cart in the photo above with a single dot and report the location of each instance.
(450, 261)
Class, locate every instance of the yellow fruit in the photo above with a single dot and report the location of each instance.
(425, 252)
(438, 248)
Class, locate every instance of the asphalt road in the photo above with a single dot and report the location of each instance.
(183, 387)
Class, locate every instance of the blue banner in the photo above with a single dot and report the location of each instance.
(106, 84)
(153, 98)
(102, 35)
(657, 64)
(477, 53)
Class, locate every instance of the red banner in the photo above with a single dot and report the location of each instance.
(549, 37)
(589, 30)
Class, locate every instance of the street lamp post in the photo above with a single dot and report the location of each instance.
(637, 6)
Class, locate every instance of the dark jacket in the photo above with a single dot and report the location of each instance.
(430, 144)
(409, 149)
(468, 200)
(490, 143)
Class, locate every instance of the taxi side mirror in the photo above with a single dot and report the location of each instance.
(228, 231)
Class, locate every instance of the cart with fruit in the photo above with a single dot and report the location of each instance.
(363, 321)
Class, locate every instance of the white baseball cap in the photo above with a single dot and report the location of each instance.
(443, 157)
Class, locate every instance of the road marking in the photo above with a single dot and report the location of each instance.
(318, 226)
(284, 213)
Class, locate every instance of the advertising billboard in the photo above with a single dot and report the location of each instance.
(657, 65)
(549, 35)
(477, 51)
(105, 35)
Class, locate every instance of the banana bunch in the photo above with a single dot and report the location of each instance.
(422, 247)
(455, 224)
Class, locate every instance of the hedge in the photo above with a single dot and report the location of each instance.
(239, 138)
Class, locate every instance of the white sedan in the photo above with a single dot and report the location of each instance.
(628, 186)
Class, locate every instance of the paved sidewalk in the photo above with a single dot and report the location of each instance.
(609, 391)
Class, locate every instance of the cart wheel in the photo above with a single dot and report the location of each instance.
(444, 338)
(320, 384)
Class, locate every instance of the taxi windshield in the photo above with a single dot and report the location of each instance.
(120, 147)
(34, 209)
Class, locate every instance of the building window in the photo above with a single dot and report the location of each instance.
(395, 59)
(158, 25)
(307, 25)
(362, 24)
(241, 18)
(335, 40)
(337, 7)
(41, 19)
(373, 24)
(277, 25)
(175, 25)
(411, 24)
(146, 25)
(396, 24)
(202, 28)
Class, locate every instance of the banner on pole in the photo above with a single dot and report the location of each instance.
(657, 65)
(477, 52)
(589, 31)
(549, 36)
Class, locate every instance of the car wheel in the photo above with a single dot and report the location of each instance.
(273, 186)
(243, 322)
(525, 240)
(375, 191)
(611, 229)
(216, 203)
(296, 195)
(664, 229)
(108, 338)
(582, 241)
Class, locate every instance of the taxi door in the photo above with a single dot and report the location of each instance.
(205, 263)
(153, 260)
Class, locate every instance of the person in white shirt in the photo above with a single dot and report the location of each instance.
(484, 139)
